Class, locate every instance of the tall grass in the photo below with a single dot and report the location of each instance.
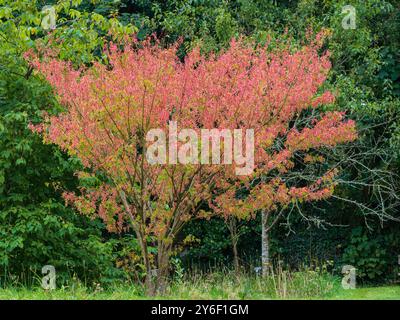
(219, 283)
(305, 283)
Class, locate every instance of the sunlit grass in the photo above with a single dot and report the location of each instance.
(369, 293)
(304, 284)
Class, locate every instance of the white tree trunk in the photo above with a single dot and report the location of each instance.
(265, 263)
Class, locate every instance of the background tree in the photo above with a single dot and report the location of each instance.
(35, 227)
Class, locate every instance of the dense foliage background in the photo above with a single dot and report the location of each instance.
(355, 227)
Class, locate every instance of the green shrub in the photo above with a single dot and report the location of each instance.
(50, 234)
(373, 255)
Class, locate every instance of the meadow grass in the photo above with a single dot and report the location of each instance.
(225, 285)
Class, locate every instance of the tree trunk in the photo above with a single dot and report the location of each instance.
(149, 280)
(265, 261)
(232, 226)
(156, 279)
(149, 284)
(163, 268)
(235, 257)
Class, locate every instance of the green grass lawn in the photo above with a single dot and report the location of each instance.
(372, 293)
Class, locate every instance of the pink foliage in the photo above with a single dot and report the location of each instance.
(110, 108)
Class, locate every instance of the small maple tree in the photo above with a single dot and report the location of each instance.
(109, 109)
